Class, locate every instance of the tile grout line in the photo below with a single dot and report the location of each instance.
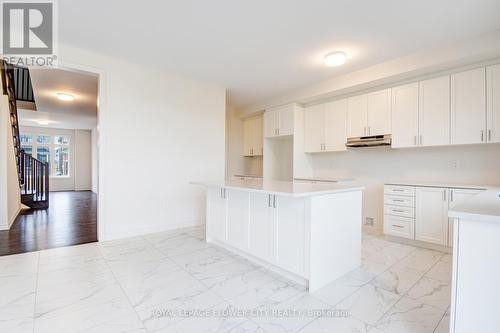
(121, 288)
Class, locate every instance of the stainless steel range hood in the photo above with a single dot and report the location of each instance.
(369, 141)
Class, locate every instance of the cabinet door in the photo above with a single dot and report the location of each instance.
(405, 116)
(314, 128)
(286, 120)
(271, 123)
(356, 116)
(257, 138)
(493, 83)
(247, 137)
(237, 218)
(434, 111)
(335, 125)
(217, 214)
(261, 227)
(431, 223)
(457, 197)
(468, 107)
(379, 112)
(291, 234)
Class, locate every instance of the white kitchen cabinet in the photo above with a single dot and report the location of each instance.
(261, 226)
(314, 119)
(217, 213)
(356, 116)
(379, 112)
(405, 116)
(434, 111)
(335, 122)
(431, 215)
(291, 234)
(279, 121)
(252, 136)
(493, 103)
(468, 107)
(457, 197)
(325, 127)
(369, 114)
(237, 218)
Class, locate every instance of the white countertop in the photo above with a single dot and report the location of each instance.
(484, 206)
(324, 180)
(291, 189)
(438, 184)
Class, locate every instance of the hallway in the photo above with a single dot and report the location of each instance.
(70, 220)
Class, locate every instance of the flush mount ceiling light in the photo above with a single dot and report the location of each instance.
(65, 97)
(336, 58)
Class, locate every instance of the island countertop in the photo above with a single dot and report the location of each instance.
(484, 206)
(291, 189)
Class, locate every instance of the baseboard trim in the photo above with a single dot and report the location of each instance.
(13, 218)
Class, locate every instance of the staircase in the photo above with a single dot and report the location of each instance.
(33, 174)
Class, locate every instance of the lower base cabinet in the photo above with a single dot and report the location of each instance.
(261, 226)
(216, 213)
(431, 215)
(431, 205)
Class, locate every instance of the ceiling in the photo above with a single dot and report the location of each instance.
(78, 114)
(258, 49)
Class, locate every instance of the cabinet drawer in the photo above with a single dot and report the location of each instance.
(399, 200)
(399, 211)
(399, 190)
(399, 226)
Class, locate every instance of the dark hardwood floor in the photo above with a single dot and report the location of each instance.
(71, 219)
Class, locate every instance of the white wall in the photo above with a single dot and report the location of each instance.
(157, 132)
(95, 159)
(83, 160)
(477, 164)
(10, 197)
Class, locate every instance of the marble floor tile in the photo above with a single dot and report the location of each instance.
(334, 325)
(432, 292)
(440, 271)
(205, 324)
(129, 285)
(297, 317)
(203, 260)
(106, 310)
(410, 316)
(267, 295)
(444, 324)
(246, 327)
(421, 259)
(340, 289)
(398, 279)
(369, 303)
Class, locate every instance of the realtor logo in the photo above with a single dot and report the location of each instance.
(28, 32)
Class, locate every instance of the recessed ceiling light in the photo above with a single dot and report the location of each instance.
(42, 122)
(65, 97)
(335, 59)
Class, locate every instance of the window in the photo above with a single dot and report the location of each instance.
(54, 150)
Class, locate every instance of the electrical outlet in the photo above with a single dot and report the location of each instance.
(455, 164)
(370, 221)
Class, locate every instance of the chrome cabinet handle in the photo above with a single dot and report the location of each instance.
(415, 140)
(268, 200)
(398, 200)
(451, 195)
(397, 226)
(444, 195)
(420, 137)
(369, 130)
(489, 135)
(398, 211)
(482, 135)
(274, 201)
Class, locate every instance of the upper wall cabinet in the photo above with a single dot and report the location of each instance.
(468, 107)
(379, 112)
(493, 108)
(434, 111)
(279, 121)
(405, 116)
(252, 136)
(357, 116)
(325, 127)
(369, 114)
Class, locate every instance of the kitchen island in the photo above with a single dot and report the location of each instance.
(310, 233)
